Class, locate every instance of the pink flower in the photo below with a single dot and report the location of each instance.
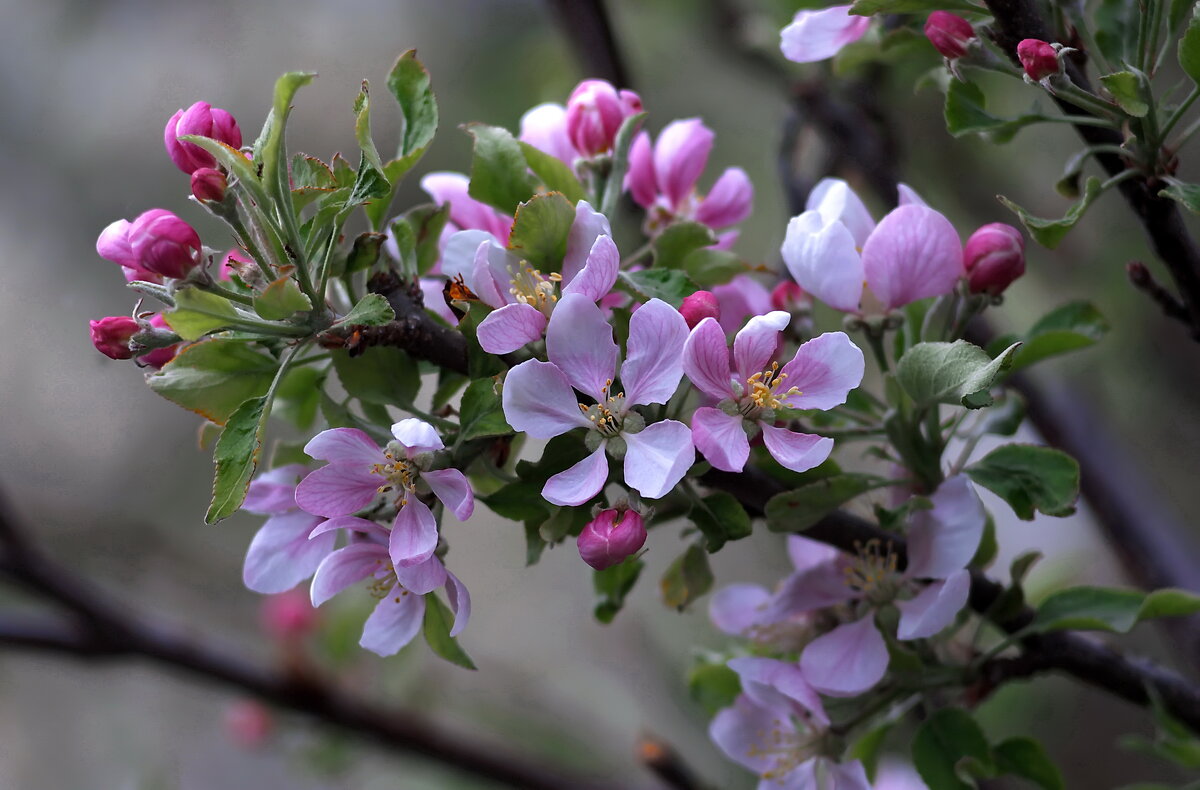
(698, 306)
(110, 335)
(358, 470)
(662, 179)
(234, 261)
(209, 185)
(113, 245)
(163, 243)
(819, 376)
(400, 588)
(949, 33)
(539, 398)
(595, 112)
(610, 537)
(1039, 59)
(994, 258)
(741, 298)
(834, 246)
(206, 121)
(819, 35)
(853, 657)
(159, 356)
(789, 296)
(466, 213)
(288, 616)
(545, 128)
(281, 555)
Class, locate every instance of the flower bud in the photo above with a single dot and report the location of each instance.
(206, 121)
(1039, 59)
(209, 184)
(248, 723)
(237, 262)
(698, 306)
(289, 616)
(111, 335)
(610, 537)
(159, 356)
(163, 243)
(949, 33)
(994, 258)
(595, 112)
(789, 296)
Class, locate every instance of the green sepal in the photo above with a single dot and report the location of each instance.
(438, 622)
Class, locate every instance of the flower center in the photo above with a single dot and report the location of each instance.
(400, 474)
(764, 390)
(531, 287)
(785, 746)
(384, 581)
(608, 415)
(873, 572)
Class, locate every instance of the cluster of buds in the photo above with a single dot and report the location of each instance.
(123, 337)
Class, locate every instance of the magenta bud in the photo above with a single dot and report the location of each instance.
(994, 257)
(163, 243)
(111, 335)
(209, 184)
(159, 356)
(698, 306)
(595, 112)
(789, 296)
(206, 121)
(949, 33)
(1039, 59)
(289, 616)
(610, 537)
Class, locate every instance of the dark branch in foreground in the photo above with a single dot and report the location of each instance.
(587, 24)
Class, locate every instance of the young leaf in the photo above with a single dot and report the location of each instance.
(1116, 30)
(613, 584)
(1189, 50)
(480, 413)
(197, 313)
(427, 222)
(958, 373)
(409, 83)
(299, 396)
(720, 518)
(708, 267)
(438, 621)
(1027, 758)
(371, 310)
(499, 174)
(236, 457)
(713, 686)
(1128, 88)
(1030, 478)
(800, 508)
(540, 230)
(274, 151)
(382, 375)
(1187, 195)
(965, 114)
(1069, 327)
(555, 173)
(687, 578)
(280, 300)
(1049, 232)
(214, 377)
(670, 285)
(945, 739)
(677, 241)
(1109, 609)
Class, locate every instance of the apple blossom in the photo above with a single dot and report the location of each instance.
(1039, 59)
(611, 536)
(698, 306)
(595, 112)
(545, 128)
(949, 33)
(111, 334)
(281, 555)
(206, 121)
(819, 35)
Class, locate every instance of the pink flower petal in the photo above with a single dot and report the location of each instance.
(823, 258)
(779, 686)
(450, 486)
(580, 483)
(835, 201)
(579, 341)
(545, 128)
(914, 253)
(847, 661)
(345, 567)
(338, 489)
(353, 523)
(113, 245)
(396, 620)
(654, 361)
(599, 274)
(640, 181)
(796, 451)
(739, 299)
(747, 733)
(344, 444)
(417, 436)
(755, 345)
(465, 211)
(943, 540)
(728, 202)
(588, 226)
(852, 776)
(824, 369)
(720, 439)
(815, 587)
(414, 535)
(505, 330)
(679, 158)
(805, 553)
(737, 608)
(538, 400)
(274, 491)
(935, 607)
(460, 603)
(909, 196)
(706, 360)
(281, 555)
(423, 577)
(658, 457)
(819, 35)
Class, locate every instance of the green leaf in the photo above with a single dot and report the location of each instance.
(427, 222)
(409, 83)
(1110, 609)
(233, 161)
(1068, 184)
(214, 377)
(800, 508)
(519, 501)
(868, 748)
(274, 150)
(713, 686)
(614, 185)
(198, 312)
(1069, 327)
(945, 739)
(371, 310)
(480, 413)
(708, 267)
(281, 299)
(1187, 195)
(1116, 27)
(1030, 477)
(958, 373)
(687, 578)
(720, 518)
(1027, 758)
(362, 128)
(873, 7)
(1050, 232)
(553, 172)
(499, 174)
(299, 396)
(965, 114)
(670, 285)
(1177, 12)
(365, 252)
(438, 622)
(236, 457)
(381, 374)
(1189, 50)
(1129, 90)
(540, 230)
(678, 240)
(613, 584)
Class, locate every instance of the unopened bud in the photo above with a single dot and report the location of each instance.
(111, 335)
(248, 723)
(209, 185)
(165, 244)
(160, 356)
(949, 33)
(289, 616)
(698, 306)
(595, 112)
(789, 296)
(610, 537)
(204, 120)
(994, 257)
(1039, 59)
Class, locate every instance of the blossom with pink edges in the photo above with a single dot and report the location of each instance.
(466, 213)
(540, 398)
(819, 35)
(834, 247)
(819, 376)
(595, 112)
(204, 120)
(545, 128)
(743, 609)
(358, 470)
(113, 245)
(281, 555)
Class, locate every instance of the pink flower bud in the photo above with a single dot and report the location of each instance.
(641, 181)
(206, 121)
(994, 258)
(289, 616)
(111, 335)
(595, 112)
(729, 201)
(679, 158)
(248, 723)
(949, 33)
(698, 306)
(209, 184)
(789, 296)
(611, 537)
(163, 243)
(159, 356)
(1039, 59)
(234, 262)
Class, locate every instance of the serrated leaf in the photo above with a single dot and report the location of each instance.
(687, 578)
(1027, 758)
(371, 310)
(438, 622)
(800, 508)
(409, 82)
(197, 313)
(499, 174)
(612, 585)
(381, 375)
(957, 373)
(1050, 232)
(1110, 609)
(236, 457)
(480, 413)
(1129, 92)
(720, 518)
(281, 299)
(214, 377)
(1187, 195)
(540, 229)
(947, 738)
(1028, 478)
(678, 240)
(670, 285)
(553, 172)
(1066, 328)
(1189, 50)
(365, 252)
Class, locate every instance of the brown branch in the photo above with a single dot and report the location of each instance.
(586, 23)
(1144, 281)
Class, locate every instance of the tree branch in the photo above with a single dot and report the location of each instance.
(586, 23)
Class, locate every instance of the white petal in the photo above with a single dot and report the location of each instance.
(580, 483)
(824, 259)
(538, 400)
(848, 660)
(654, 365)
(658, 457)
(934, 608)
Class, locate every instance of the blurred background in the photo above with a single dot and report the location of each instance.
(112, 481)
